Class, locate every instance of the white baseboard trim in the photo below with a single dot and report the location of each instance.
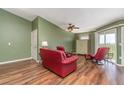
(17, 60)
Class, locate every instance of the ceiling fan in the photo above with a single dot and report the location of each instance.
(71, 27)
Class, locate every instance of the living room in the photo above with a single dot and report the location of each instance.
(61, 46)
(38, 38)
(34, 40)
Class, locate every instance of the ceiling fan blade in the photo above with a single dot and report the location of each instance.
(71, 27)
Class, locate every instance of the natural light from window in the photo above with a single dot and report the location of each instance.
(110, 38)
(107, 38)
(101, 39)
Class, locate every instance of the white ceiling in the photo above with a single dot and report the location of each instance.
(88, 19)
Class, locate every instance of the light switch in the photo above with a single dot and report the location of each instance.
(9, 44)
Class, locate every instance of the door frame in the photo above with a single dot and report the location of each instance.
(36, 59)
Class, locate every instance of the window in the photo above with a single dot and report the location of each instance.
(110, 38)
(101, 39)
(107, 38)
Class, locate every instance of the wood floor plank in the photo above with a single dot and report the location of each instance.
(31, 73)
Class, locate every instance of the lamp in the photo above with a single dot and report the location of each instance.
(44, 44)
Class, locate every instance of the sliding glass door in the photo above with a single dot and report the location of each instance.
(108, 39)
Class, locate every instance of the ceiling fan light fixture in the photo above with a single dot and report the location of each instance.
(71, 27)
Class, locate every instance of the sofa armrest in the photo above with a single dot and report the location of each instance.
(70, 60)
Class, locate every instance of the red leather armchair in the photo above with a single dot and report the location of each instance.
(57, 61)
(61, 48)
(100, 54)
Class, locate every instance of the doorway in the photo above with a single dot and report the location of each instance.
(108, 39)
(34, 44)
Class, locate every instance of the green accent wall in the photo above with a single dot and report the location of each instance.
(17, 31)
(54, 35)
(35, 24)
(92, 42)
(118, 46)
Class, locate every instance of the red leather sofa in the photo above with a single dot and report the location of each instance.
(57, 61)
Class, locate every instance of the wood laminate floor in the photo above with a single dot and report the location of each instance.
(30, 72)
